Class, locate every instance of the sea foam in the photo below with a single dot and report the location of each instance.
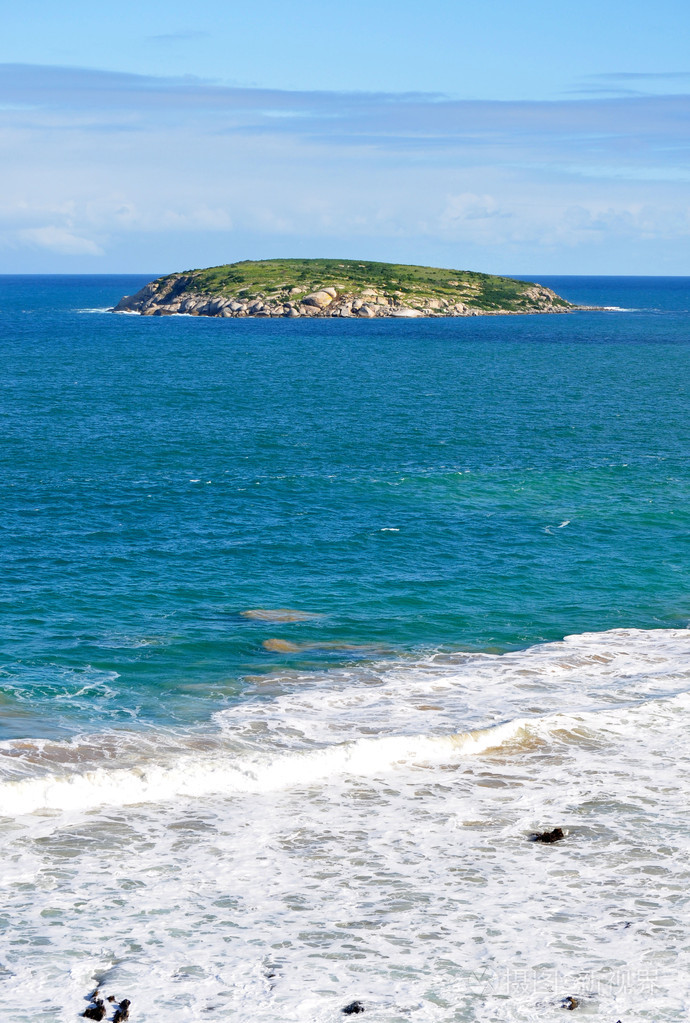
(335, 839)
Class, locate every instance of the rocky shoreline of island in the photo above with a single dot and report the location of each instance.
(328, 288)
(318, 304)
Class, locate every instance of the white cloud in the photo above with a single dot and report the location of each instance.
(61, 240)
(169, 173)
(470, 206)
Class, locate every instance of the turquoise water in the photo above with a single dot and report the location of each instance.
(222, 817)
(484, 483)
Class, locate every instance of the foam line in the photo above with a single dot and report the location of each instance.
(221, 774)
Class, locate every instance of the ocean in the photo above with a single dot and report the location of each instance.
(308, 626)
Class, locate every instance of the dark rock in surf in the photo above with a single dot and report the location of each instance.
(352, 1008)
(95, 1011)
(122, 1011)
(547, 837)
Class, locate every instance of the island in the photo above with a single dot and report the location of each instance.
(338, 287)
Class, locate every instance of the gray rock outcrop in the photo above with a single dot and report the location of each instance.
(170, 296)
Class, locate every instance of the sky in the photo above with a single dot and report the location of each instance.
(526, 138)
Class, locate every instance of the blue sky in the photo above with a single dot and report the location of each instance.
(512, 138)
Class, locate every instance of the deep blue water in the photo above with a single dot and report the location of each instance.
(480, 483)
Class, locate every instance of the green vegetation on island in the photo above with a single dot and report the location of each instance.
(338, 287)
